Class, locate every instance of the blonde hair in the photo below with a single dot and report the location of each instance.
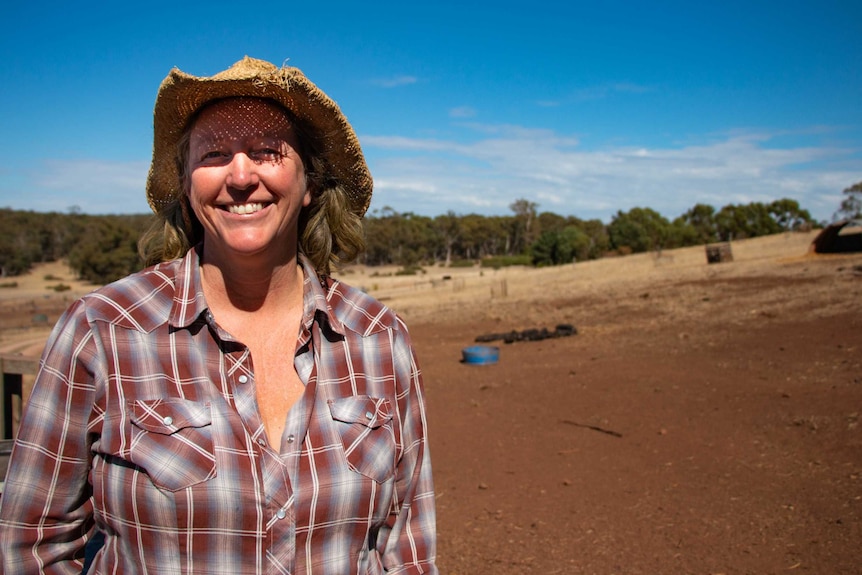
(330, 233)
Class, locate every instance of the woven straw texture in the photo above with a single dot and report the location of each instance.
(182, 95)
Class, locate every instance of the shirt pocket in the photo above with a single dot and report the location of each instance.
(365, 425)
(172, 441)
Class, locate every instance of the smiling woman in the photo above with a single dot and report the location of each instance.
(232, 408)
(337, 176)
(247, 182)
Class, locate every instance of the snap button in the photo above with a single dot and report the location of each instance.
(243, 378)
(368, 415)
(290, 438)
(169, 420)
(261, 442)
(281, 514)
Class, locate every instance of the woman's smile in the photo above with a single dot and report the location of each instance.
(246, 209)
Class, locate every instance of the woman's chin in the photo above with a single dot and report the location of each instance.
(247, 247)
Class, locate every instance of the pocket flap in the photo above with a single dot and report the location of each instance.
(371, 412)
(166, 416)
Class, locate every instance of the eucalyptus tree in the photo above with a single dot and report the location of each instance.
(851, 205)
(789, 216)
(740, 221)
(697, 226)
(448, 229)
(640, 230)
(522, 225)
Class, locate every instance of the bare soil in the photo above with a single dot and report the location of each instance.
(704, 419)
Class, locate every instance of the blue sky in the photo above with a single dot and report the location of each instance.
(584, 108)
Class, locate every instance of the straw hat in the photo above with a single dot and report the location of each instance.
(182, 95)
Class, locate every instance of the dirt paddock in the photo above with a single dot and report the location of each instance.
(703, 420)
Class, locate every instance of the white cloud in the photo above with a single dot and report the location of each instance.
(462, 112)
(503, 163)
(396, 81)
(403, 143)
(95, 186)
(602, 91)
(510, 162)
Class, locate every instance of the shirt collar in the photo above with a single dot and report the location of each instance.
(315, 297)
(323, 297)
(189, 302)
(343, 308)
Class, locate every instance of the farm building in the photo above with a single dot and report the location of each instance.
(839, 237)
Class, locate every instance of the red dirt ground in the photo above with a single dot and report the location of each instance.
(728, 443)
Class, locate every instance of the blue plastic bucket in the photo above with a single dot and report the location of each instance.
(481, 354)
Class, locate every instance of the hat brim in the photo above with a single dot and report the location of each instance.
(182, 95)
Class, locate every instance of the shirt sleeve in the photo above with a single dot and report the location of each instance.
(46, 511)
(408, 541)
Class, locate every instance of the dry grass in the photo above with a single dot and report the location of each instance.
(39, 282)
(492, 294)
(454, 294)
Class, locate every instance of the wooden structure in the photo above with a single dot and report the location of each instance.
(5, 452)
(840, 237)
(14, 367)
(719, 253)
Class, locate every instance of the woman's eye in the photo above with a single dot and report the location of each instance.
(266, 154)
(212, 155)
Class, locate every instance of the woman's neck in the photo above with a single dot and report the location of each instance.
(251, 285)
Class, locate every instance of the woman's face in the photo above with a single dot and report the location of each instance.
(247, 181)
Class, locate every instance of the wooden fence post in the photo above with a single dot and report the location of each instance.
(13, 367)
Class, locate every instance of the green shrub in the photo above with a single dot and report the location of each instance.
(410, 270)
(497, 262)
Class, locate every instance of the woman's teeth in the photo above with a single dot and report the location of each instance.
(244, 208)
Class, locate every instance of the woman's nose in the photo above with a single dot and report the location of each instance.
(242, 172)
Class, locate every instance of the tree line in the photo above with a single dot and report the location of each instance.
(547, 238)
(98, 248)
(104, 248)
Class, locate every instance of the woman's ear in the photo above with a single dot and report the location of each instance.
(311, 185)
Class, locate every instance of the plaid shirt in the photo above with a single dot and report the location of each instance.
(143, 424)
